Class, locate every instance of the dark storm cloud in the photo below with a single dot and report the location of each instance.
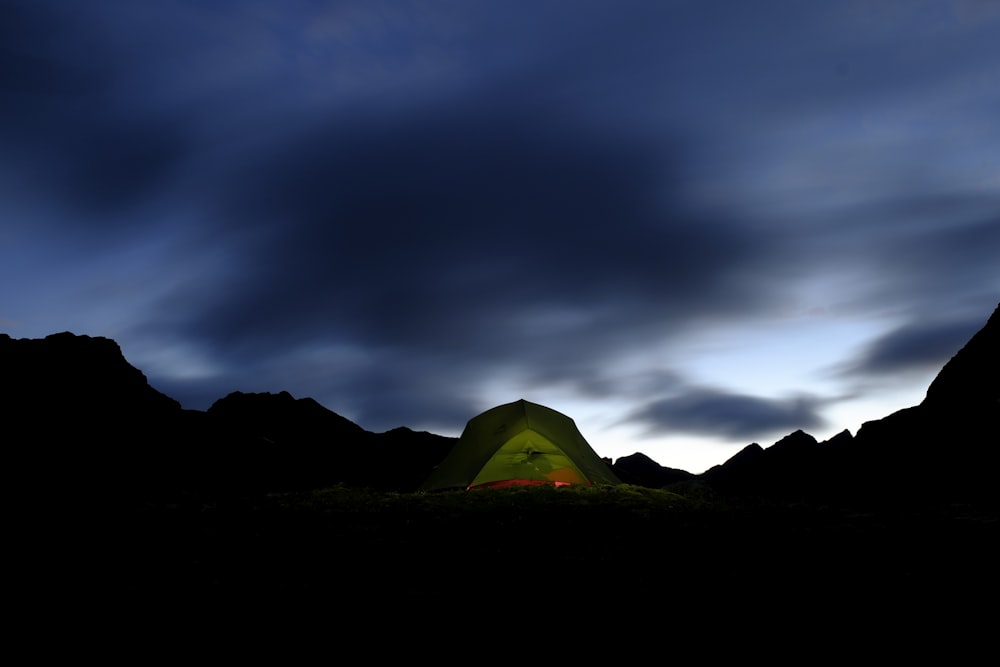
(505, 212)
(932, 258)
(916, 346)
(712, 412)
(951, 255)
(934, 237)
(461, 243)
(79, 143)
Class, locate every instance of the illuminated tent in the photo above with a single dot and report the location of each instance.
(520, 443)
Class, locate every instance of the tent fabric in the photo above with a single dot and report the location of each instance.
(520, 443)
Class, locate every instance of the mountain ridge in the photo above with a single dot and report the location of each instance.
(68, 387)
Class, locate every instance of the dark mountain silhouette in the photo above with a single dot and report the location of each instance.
(86, 417)
(948, 446)
(971, 379)
(299, 444)
(644, 471)
(79, 415)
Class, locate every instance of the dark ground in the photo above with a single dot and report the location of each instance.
(625, 559)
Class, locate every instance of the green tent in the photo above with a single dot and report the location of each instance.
(520, 443)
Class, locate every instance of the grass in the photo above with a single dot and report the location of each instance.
(536, 498)
(613, 550)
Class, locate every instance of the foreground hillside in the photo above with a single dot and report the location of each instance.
(642, 569)
(622, 548)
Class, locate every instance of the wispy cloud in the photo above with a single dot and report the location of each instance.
(713, 412)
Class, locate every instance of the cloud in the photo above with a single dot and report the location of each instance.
(930, 248)
(712, 412)
(390, 206)
(916, 346)
(472, 239)
(82, 147)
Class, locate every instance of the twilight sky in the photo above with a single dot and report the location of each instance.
(689, 225)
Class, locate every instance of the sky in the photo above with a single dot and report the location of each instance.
(688, 225)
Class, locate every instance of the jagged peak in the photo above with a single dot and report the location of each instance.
(972, 376)
(795, 439)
